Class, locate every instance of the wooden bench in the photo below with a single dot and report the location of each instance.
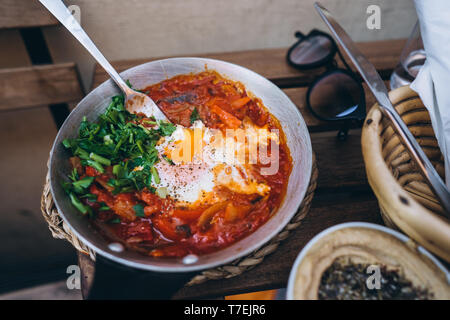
(343, 193)
(31, 85)
(42, 83)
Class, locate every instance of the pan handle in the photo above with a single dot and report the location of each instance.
(112, 281)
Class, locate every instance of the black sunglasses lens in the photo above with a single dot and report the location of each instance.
(335, 96)
(312, 49)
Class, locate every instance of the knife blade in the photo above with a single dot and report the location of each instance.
(379, 90)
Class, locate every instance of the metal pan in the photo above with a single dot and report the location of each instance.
(274, 99)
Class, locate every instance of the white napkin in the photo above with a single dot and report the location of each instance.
(433, 81)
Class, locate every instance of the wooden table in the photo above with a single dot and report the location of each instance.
(343, 193)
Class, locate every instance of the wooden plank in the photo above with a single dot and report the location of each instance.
(39, 85)
(274, 271)
(50, 291)
(271, 63)
(14, 53)
(24, 14)
(340, 163)
(43, 269)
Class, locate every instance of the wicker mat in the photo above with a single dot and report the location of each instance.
(60, 230)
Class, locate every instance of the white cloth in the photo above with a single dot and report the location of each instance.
(433, 81)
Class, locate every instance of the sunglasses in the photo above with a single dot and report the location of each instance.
(336, 95)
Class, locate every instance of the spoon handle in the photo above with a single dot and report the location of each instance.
(60, 11)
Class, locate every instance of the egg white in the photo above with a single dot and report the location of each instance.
(191, 178)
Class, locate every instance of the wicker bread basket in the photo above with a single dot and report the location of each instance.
(406, 201)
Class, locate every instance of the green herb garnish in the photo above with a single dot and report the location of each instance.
(139, 210)
(94, 164)
(83, 183)
(170, 161)
(91, 197)
(117, 139)
(78, 204)
(100, 159)
(194, 116)
(104, 208)
(74, 175)
(166, 128)
(155, 175)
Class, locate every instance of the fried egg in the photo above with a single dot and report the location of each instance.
(195, 161)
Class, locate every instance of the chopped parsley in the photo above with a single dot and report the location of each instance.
(166, 128)
(170, 161)
(114, 221)
(120, 140)
(139, 210)
(194, 116)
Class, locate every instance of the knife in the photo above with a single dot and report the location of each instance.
(379, 90)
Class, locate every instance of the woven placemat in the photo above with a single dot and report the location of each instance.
(60, 230)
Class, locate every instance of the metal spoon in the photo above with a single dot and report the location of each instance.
(135, 102)
(379, 90)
